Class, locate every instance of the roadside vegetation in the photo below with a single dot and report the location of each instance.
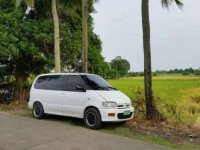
(3, 107)
(126, 132)
(177, 96)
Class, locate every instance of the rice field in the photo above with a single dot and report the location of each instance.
(177, 96)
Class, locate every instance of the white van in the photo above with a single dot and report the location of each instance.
(80, 95)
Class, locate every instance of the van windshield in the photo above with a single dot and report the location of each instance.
(96, 82)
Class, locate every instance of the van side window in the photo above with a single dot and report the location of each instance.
(73, 81)
(54, 82)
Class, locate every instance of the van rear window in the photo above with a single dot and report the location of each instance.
(41, 82)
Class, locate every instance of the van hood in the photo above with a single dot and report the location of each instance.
(115, 96)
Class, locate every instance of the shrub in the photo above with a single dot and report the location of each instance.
(185, 73)
(197, 72)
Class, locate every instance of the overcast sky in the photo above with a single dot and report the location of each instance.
(175, 33)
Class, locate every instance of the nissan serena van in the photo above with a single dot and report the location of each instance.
(80, 95)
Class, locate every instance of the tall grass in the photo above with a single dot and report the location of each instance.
(177, 97)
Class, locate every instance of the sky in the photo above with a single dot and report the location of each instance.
(175, 33)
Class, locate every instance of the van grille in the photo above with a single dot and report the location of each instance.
(122, 116)
(123, 106)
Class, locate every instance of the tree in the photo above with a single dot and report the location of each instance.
(26, 42)
(85, 6)
(85, 36)
(122, 66)
(25, 45)
(56, 36)
(57, 59)
(17, 3)
(151, 110)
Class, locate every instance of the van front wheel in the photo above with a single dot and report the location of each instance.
(92, 118)
(38, 111)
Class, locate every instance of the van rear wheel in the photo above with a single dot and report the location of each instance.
(38, 111)
(92, 118)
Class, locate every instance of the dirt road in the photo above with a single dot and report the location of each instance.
(26, 133)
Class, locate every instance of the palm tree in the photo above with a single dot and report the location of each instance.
(151, 110)
(17, 3)
(167, 3)
(56, 36)
(30, 3)
(85, 36)
(69, 10)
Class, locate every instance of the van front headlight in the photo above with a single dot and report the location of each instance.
(109, 104)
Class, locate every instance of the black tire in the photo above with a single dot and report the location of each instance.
(38, 111)
(92, 118)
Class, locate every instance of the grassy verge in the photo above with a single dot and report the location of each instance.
(126, 132)
(3, 107)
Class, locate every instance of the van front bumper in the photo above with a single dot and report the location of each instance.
(30, 105)
(116, 115)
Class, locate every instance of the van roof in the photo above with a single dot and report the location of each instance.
(65, 74)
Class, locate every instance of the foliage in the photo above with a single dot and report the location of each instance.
(187, 71)
(24, 41)
(167, 3)
(122, 66)
(113, 74)
(71, 44)
(38, 38)
(135, 74)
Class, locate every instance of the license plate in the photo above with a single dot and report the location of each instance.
(127, 113)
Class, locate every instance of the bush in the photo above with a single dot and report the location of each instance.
(197, 72)
(139, 103)
(154, 74)
(113, 74)
(185, 73)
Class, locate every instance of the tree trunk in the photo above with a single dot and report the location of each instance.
(33, 4)
(151, 110)
(30, 3)
(56, 37)
(85, 36)
(19, 91)
(17, 3)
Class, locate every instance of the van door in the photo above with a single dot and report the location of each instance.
(75, 98)
(53, 94)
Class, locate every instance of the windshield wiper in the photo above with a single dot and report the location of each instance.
(99, 87)
(110, 87)
(107, 88)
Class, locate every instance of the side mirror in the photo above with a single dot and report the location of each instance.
(79, 88)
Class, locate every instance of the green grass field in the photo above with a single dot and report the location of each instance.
(177, 96)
